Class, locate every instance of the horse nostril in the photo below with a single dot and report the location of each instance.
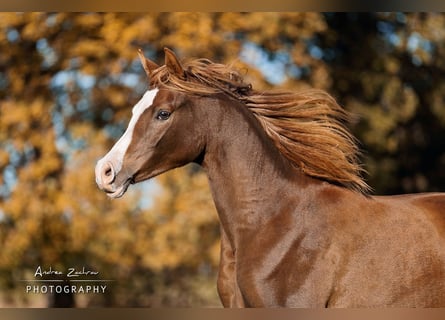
(108, 173)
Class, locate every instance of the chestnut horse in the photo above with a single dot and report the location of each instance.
(298, 225)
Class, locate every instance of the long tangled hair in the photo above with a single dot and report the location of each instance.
(307, 127)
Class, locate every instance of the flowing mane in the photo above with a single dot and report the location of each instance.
(307, 127)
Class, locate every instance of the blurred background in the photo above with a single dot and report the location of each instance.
(67, 85)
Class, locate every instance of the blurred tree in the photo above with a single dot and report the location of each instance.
(389, 68)
(68, 81)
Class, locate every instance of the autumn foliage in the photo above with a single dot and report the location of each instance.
(67, 85)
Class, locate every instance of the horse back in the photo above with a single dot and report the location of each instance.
(392, 249)
(431, 205)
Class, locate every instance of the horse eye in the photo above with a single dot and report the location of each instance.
(163, 115)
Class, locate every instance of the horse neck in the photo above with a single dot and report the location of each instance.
(248, 176)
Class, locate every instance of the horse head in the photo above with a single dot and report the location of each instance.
(160, 136)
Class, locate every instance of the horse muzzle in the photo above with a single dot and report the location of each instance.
(106, 175)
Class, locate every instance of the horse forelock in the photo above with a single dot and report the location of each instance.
(308, 128)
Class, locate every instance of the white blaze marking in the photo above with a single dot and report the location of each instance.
(117, 153)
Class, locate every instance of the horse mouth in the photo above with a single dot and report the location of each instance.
(120, 191)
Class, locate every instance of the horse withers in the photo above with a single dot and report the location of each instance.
(299, 227)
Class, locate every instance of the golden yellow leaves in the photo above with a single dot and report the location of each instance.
(122, 31)
(36, 28)
(266, 26)
(397, 105)
(89, 21)
(4, 160)
(89, 49)
(192, 32)
(55, 213)
(15, 246)
(400, 99)
(10, 19)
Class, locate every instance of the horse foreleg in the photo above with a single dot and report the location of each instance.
(228, 290)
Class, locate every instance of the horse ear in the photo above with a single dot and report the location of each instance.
(149, 66)
(173, 64)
